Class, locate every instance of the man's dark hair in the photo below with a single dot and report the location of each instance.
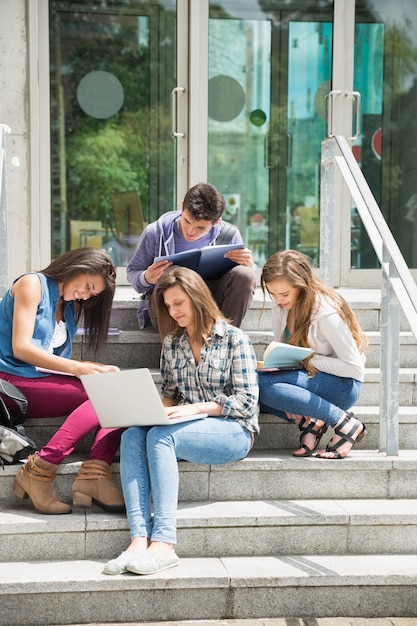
(204, 202)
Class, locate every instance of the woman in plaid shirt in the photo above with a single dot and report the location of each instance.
(207, 367)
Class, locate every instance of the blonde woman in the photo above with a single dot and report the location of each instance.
(308, 313)
(207, 367)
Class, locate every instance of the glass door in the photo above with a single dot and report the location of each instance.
(113, 159)
(269, 74)
(375, 57)
(385, 74)
(245, 85)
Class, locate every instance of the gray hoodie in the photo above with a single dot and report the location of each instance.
(158, 240)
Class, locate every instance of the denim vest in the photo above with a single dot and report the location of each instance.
(43, 331)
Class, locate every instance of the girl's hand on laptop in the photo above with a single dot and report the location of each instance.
(180, 410)
(89, 367)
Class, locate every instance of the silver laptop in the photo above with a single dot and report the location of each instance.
(128, 398)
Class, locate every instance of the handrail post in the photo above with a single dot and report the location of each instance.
(4, 263)
(327, 204)
(389, 359)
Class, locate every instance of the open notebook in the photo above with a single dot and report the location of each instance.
(128, 398)
(208, 261)
(283, 356)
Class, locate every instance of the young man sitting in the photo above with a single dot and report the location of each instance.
(199, 224)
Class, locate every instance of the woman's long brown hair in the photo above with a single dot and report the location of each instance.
(95, 311)
(206, 311)
(296, 268)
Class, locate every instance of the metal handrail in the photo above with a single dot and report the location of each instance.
(398, 286)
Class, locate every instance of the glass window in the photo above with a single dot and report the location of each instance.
(386, 76)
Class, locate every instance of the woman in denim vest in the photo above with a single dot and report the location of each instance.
(38, 323)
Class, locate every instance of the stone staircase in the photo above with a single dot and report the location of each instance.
(269, 536)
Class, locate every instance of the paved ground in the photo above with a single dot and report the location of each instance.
(288, 621)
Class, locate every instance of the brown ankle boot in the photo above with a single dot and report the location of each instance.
(35, 479)
(94, 483)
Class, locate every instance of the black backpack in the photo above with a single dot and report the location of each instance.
(226, 234)
(15, 445)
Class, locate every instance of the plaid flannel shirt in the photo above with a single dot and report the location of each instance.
(226, 373)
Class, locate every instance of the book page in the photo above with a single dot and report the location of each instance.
(278, 354)
(208, 261)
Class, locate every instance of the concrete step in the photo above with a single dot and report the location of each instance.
(408, 350)
(407, 388)
(276, 434)
(222, 529)
(269, 475)
(141, 348)
(76, 592)
(269, 536)
(365, 302)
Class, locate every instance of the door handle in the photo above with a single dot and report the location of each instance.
(289, 149)
(357, 100)
(174, 95)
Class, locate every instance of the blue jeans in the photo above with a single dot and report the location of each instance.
(149, 468)
(324, 396)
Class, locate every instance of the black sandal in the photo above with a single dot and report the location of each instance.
(307, 429)
(344, 438)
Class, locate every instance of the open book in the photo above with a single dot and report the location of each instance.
(46, 370)
(209, 261)
(282, 356)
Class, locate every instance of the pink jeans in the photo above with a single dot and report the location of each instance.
(56, 395)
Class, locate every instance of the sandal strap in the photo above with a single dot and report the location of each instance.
(346, 437)
(309, 429)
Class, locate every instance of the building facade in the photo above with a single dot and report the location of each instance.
(116, 107)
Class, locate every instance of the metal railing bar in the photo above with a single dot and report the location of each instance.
(398, 290)
(365, 215)
(369, 207)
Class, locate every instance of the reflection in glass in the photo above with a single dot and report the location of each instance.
(112, 66)
(267, 155)
(309, 72)
(269, 74)
(387, 34)
(239, 112)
